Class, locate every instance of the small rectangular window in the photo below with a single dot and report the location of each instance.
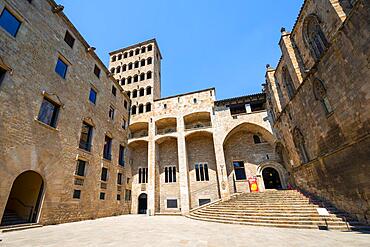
(118, 197)
(239, 170)
(92, 96)
(102, 196)
(114, 90)
(111, 112)
(104, 174)
(68, 38)
(107, 152)
(121, 158)
(77, 194)
(201, 172)
(119, 178)
(123, 124)
(80, 168)
(97, 71)
(204, 201)
(61, 68)
(172, 203)
(86, 136)
(127, 195)
(49, 112)
(9, 22)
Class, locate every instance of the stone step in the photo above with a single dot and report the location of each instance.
(19, 227)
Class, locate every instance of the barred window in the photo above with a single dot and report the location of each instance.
(170, 174)
(143, 175)
(201, 172)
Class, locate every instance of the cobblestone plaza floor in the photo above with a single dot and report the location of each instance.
(140, 230)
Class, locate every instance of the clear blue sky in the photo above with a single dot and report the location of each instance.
(204, 43)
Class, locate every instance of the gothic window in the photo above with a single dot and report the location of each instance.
(319, 91)
(142, 62)
(134, 93)
(314, 36)
(300, 145)
(148, 90)
(149, 75)
(124, 67)
(133, 110)
(150, 47)
(125, 55)
(136, 64)
(143, 49)
(149, 60)
(288, 82)
(142, 77)
(119, 56)
(137, 51)
(118, 69)
(131, 53)
(136, 78)
(130, 66)
(141, 92)
(148, 107)
(201, 172)
(123, 81)
(129, 80)
(112, 70)
(114, 58)
(141, 108)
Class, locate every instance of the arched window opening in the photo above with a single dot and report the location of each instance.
(119, 56)
(133, 110)
(319, 91)
(136, 64)
(141, 92)
(129, 80)
(148, 107)
(142, 77)
(118, 69)
(314, 36)
(148, 90)
(141, 108)
(142, 62)
(129, 66)
(131, 53)
(112, 70)
(129, 94)
(123, 81)
(137, 51)
(134, 93)
(288, 82)
(256, 139)
(300, 145)
(149, 60)
(125, 55)
(149, 75)
(150, 47)
(143, 49)
(136, 78)
(124, 67)
(114, 58)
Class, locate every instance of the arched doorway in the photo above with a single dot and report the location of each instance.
(24, 199)
(271, 178)
(143, 203)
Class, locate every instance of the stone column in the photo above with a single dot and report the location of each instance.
(151, 168)
(183, 167)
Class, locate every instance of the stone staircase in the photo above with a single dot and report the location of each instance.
(12, 222)
(276, 208)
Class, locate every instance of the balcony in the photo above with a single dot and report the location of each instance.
(138, 130)
(198, 120)
(166, 126)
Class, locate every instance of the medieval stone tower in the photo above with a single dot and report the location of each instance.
(137, 69)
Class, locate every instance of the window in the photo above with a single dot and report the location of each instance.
(125, 104)
(148, 107)
(237, 109)
(119, 56)
(257, 106)
(287, 79)
(204, 201)
(130, 66)
(127, 195)
(97, 71)
(124, 68)
(201, 172)
(123, 124)
(123, 81)
(320, 94)
(134, 93)
(111, 112)
(76, 194)
(114, 90)
(129, 94)
(300, 145)
(118, 69)
(314, 37)
(141, 92)
(170, 174)
(149, 60)
(164, 106)
(118, 197)
(142, 77)
(49, 112)
(171, 203)
(143, 49)
(239, 170)
(107, 152)
(136, 65)
(125, 55)
(9, 22)
(194, 100)
(136, 78)
(121, 156)
(68, 38)
(137, 51)
(129, 80)
(104, 174)
(2, 75)
(141, 108)
(86, 136)
(80, 168)
(92, 96)
(133, 110)
(143, 175)
(256, 139)
(131, 53)
(102, 196)
(61, 68)
(114, 58)
(148, 91)
(149, 75)
(119, 178)
(112, 70)
(142, 62)
(150, 47)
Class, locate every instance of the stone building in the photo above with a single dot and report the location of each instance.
(62, 121)
(319, 102)
(190, 149)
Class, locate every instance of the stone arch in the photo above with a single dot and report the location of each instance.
(283, 173)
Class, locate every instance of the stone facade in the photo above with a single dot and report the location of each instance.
(318, 101)
(46, 155)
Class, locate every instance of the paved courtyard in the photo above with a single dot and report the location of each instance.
(139, 230)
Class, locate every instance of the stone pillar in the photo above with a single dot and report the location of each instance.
(270, 80)
(183, 167)
(151, 167)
